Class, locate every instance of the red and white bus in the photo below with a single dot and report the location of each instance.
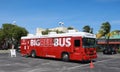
(66, 46)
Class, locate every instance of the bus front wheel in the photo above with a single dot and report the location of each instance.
(65, 57)
(33, 54)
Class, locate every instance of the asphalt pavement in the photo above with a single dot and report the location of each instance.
(104, 63)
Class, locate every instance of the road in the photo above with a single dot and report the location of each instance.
(104, 63)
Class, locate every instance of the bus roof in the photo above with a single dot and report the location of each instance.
(68, 34)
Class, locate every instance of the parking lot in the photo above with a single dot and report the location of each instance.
(104, 63)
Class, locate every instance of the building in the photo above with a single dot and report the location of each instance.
(113, 41)
(39, 31)
(61, 28)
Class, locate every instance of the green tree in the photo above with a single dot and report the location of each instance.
(104, 30)
(115, 32)
(46, 32)
(70, 28)
(11, 34)
(57, 31)
(1, 34)
(88, 29)
(1, 38)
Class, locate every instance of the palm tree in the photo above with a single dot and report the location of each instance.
(86, 28)
(106, 27)
(104, 30)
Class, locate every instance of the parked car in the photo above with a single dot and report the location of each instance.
(109, 50)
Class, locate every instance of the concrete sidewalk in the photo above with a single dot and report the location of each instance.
(4, 51)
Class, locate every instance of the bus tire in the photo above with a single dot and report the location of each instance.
(65, 57)
(33, 54)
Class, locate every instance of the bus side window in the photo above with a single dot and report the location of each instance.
(77, 43)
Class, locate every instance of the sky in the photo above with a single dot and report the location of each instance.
(32, 14)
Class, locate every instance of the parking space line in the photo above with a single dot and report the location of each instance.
(114, 68)
(103, 61)
(77, 66)
(87, 64)
(45, 63)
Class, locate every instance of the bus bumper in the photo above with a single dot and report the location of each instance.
(89, 57)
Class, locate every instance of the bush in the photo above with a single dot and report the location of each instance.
(119, 50)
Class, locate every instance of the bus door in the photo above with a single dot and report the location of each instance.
(77, 45)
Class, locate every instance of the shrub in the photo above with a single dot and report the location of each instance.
(119, 50)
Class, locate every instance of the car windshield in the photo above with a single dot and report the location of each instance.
(89, 42)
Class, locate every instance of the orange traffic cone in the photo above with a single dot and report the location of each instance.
(91, 64)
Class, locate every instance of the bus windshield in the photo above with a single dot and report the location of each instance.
(89, 42)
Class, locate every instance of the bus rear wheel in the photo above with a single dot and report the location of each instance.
(65, 57)
(33, 54)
